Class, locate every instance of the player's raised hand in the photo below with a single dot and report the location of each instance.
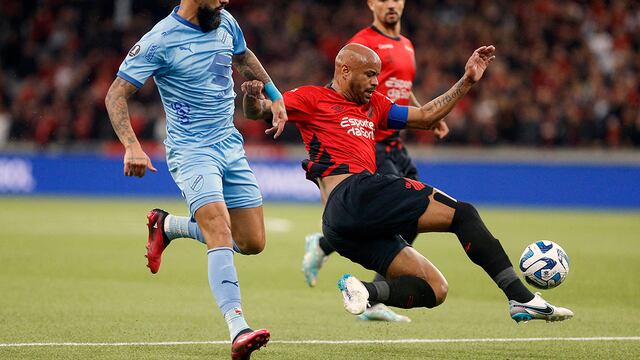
(478, 62)
(136, 162)
(279, 118)
(253, 89)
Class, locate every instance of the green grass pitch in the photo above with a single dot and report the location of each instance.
(73, 271)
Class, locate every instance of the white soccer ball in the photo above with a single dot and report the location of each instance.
(544, 264)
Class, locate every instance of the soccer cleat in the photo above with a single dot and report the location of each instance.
(538, 309)
(158, 240)
(313, 259)
(355, 295)
(248, 342)
(380, 312)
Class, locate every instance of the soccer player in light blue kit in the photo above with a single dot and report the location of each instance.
(190, 54)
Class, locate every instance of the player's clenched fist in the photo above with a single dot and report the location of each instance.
(253, 88)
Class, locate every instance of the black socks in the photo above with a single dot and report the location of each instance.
(404, 292)
(327, 249)
(487, 252)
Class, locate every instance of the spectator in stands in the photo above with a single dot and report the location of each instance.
(567, 74)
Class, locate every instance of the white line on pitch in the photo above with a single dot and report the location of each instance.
(346, 342)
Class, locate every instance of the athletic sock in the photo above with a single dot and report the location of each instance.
(183, 227)
(403, 292)
(224, 284)
(512, 286)
(487, 252)
(327, 249)
(377, 278)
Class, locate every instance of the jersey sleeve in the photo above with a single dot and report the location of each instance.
(382, 105)
(146, 58)
(298, 104)
(239, 42)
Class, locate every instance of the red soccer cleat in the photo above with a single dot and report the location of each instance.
(249, 342)
(157, 241)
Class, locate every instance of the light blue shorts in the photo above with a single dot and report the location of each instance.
(214, 174)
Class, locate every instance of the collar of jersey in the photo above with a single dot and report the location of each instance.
(183, 20)
(385, 35)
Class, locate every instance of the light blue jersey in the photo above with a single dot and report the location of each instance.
(192, 70)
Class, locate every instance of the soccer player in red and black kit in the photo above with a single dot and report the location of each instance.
(365, 211)
(396, 82)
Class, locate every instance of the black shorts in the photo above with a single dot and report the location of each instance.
(364, 213)
(393, 158)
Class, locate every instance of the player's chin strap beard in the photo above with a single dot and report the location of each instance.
(209, 19)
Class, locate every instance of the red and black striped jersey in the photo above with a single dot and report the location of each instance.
(339, 135)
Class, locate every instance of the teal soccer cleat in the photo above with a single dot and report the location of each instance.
(313, 259)
(354, 294)
(537, 309)
(380, 312)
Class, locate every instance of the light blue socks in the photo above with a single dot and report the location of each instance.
(183, 227)
(225, 287)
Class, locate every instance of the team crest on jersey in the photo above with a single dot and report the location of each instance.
(135, 50)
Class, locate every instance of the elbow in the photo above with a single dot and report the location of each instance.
(251, 115)
(429, 119)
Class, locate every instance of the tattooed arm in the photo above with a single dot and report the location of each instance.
(249, 66)
(428, 116)
(136, 160)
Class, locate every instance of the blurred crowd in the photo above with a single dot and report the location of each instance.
(567, 73)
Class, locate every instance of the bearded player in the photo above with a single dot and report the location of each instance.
(190, 55)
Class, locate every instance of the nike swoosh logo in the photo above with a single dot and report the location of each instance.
(546, 311)
(231, 282)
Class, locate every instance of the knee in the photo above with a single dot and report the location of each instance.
(465, 213)
(252, 245)
(466, 210)
(440, 290)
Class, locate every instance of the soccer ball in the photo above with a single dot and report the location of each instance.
(544, 264)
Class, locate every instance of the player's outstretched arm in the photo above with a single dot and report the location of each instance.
(254, 104)
(428, 116)
(249, 66)
(136, 160)
(440, 129)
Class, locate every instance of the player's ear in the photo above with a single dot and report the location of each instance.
(345, 71)
(370, 4)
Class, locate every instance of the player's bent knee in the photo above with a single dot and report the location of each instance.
(441, 289)
(252, 245)
(465, 212)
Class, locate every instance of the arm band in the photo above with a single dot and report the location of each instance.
(397, 117)
(272, 91)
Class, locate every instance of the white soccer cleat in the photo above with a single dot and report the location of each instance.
(356, 296)
(313, 258)
(380, 312)
(538, 309)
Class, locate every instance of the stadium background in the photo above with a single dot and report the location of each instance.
(561, 102)
(551, 136)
